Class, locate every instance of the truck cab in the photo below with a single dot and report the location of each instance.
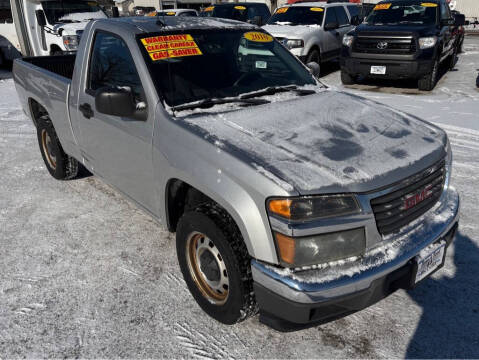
(48, 27)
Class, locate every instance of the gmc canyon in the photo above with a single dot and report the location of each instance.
(287, 197)
(401, 39)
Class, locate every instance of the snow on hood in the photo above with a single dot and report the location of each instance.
(326, 142)
(289, 31)
(84, 16)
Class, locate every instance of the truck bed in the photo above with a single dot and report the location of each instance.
(59, 64)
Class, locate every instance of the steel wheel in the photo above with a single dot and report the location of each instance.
(207, 268)
(47, 149)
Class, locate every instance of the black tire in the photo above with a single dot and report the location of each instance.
(60, 165)
(452, 59)
(428, 82)
(459, 46)
(314, 56)
(347, 79)
(211, 222)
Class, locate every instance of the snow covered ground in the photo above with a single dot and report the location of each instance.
(83, 273)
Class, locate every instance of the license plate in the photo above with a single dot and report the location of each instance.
(430, 261)
(378, 70)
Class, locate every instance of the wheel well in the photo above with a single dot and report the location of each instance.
(39, 113)
(55, 48)
(181, 197)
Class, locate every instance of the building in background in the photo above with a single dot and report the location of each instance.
(470, 8)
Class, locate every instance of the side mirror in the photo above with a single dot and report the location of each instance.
(355, 20)
(114, 12)
(314, 68)
(41, 20)
(459, 20)
(331, 26)
(114, 101)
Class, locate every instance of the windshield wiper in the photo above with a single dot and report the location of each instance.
(210, 102)
(277, 89)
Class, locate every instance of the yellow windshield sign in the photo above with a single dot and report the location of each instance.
(429, 4)
(240, 7)
(257, 36)
(209, 8)
(316, 9)
(92, 3)
(170, 13)
(170, 46)
(382, 6)
(281, 10)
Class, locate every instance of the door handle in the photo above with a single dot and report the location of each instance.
(86, 110)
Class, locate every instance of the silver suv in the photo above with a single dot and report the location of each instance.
(313, 31)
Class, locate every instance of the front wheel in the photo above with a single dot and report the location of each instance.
(60, 165)
(346, 79)
(428, 81)
(314, 56)
(215, 264)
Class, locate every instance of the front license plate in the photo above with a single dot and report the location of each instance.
(378, 70)
(430, 261)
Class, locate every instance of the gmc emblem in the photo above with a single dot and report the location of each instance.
(415, 199)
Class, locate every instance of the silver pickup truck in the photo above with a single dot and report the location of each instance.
(287, 197)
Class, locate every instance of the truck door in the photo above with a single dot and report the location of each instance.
(332, 37)
(118, 149)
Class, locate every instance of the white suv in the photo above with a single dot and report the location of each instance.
(313, 31)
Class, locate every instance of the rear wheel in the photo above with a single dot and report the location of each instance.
(428, 81)
(215, 264)
(60, 165)
(346, 79)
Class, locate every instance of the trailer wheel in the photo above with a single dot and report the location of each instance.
(60, 165)
(215, 264)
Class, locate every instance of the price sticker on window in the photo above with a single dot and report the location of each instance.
(382, 6)
(240, 7)
(170, 13)
(209, 8)
(257, 36)
(170, 46)
(317, 9)
(426, 4)
(281, 10)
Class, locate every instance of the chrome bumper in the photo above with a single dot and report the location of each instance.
(345, 278)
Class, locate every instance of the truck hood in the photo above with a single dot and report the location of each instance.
(82, 19)
(324, 143)
(289, 31)
(418, 30)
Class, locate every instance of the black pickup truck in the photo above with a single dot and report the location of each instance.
(401, 39)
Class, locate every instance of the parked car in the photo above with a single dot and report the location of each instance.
(250, 12)
(401, 39)
(174, 12)
(302, 201)
(312, 31)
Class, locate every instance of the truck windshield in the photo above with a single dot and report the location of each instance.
(404, 12)
(297, 15)
(71, 11)
(210, 64)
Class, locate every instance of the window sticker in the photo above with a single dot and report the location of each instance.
(281, 10)
(240, 7)
(92, 3)
(256, 36)
(382, 6)
(209, 8)
(261, 64)
(170, 13)
(426, 4)
(170, 46)
(316, 9)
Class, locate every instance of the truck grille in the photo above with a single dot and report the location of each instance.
(420, 193)
(404, 45)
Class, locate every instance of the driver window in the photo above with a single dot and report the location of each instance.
(330, 16)
(111, 65)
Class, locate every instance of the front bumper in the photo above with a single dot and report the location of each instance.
(395, 69)
(290, 300)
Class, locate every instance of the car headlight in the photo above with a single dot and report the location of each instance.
(320, 249)
(71, 42)
(313, 207)
(294, 43)
(348, 40)
(427, 42)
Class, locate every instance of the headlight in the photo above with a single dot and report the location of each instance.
(347, 40)
(427, 42)
(320, 249)
(294, 43)
(71, 42)
(313, 207)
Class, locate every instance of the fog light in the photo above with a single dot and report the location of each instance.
(319, 249)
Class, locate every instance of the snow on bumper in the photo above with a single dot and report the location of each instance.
(348, 277)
